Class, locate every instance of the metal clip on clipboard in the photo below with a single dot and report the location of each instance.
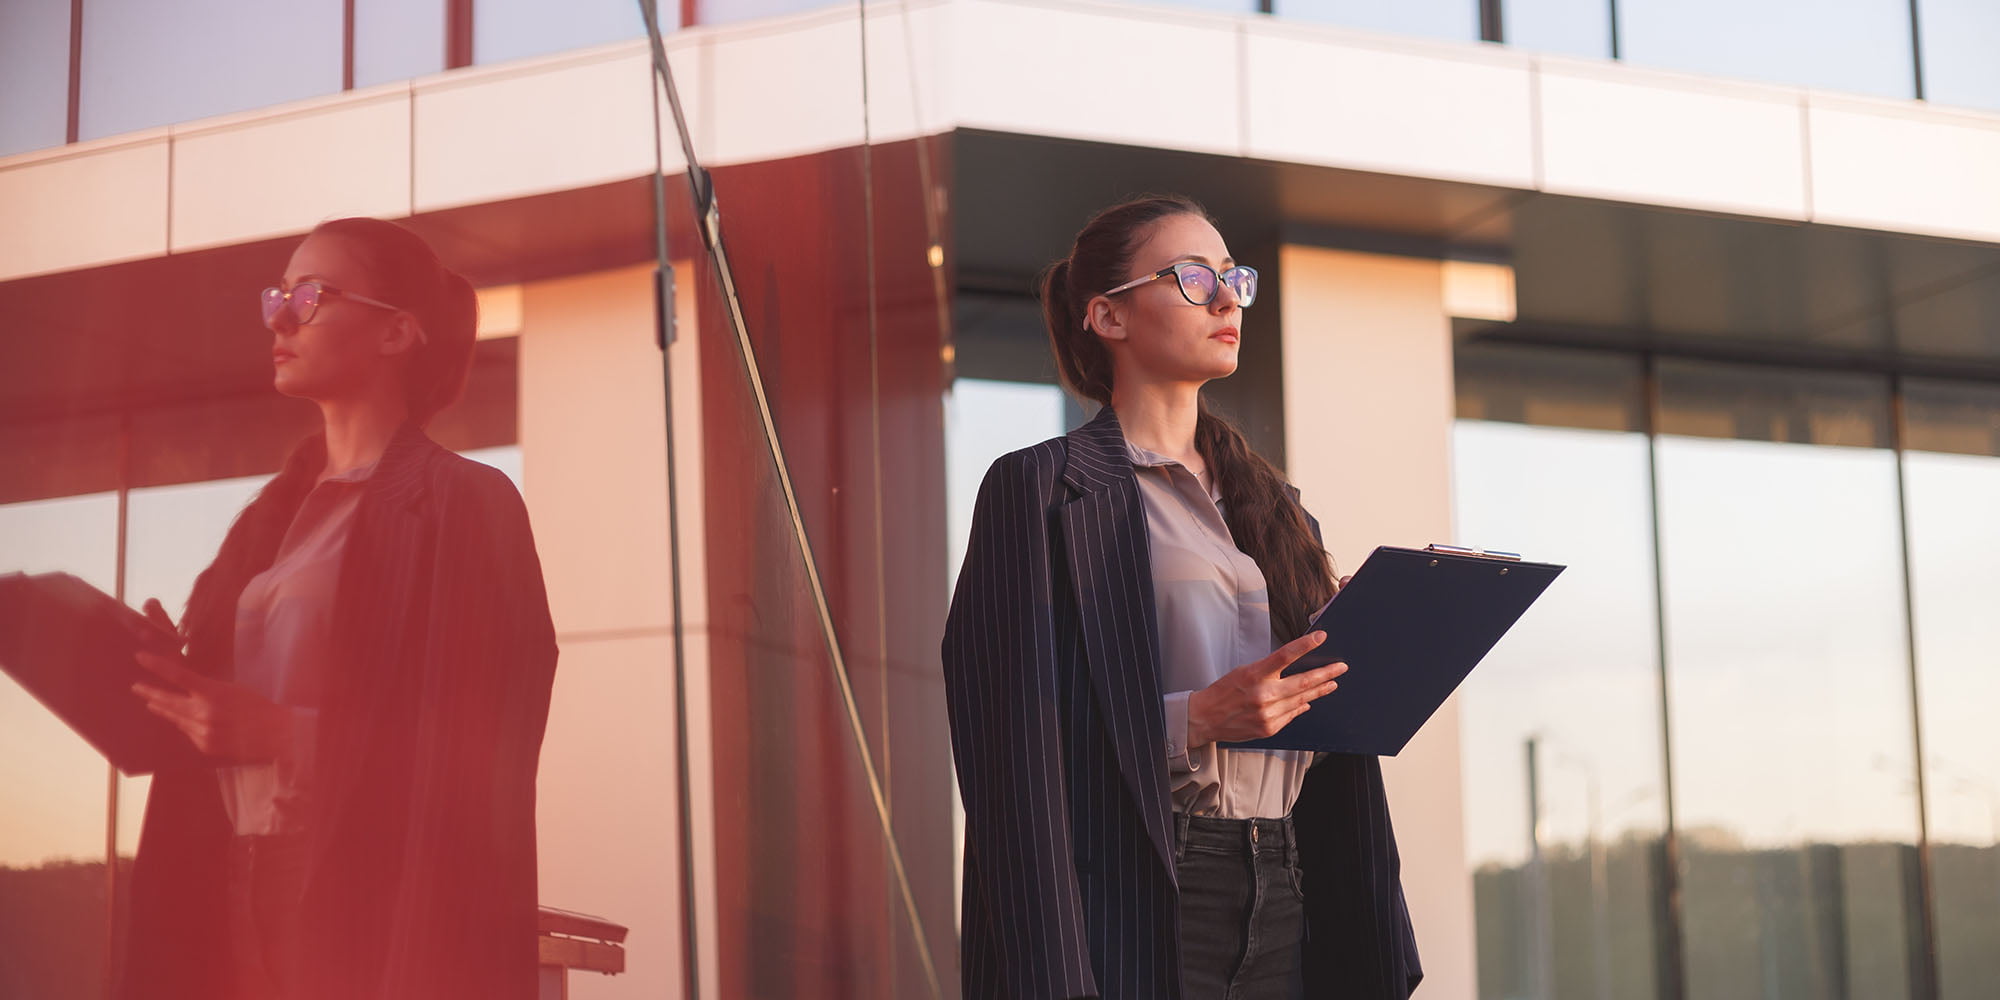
(1463, 550)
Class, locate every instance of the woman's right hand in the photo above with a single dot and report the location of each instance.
(1253, 701)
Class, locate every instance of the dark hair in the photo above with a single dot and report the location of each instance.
(402, 269)
(1267, 525)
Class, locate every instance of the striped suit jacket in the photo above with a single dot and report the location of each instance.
(1051, 666)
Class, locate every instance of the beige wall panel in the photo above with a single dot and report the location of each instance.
(763, 91)
(593, 447)
(907, 70)
(1368, 380)
(1901, 167)
(606, 816)
(522, 129)
(255, 177)
(1613, 132)
(1167, 78)
(84, 205)
(594, 472)
(1455, 113)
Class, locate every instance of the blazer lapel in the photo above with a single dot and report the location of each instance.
(381, 586)
(1104, 530)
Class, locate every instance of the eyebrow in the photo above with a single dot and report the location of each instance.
(1199, 257)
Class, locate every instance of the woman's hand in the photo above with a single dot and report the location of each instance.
(1253, 701)
(221, 719)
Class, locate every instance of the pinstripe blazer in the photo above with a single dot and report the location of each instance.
(1051, 667)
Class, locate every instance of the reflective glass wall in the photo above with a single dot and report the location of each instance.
(143, 64)
(1694, 770)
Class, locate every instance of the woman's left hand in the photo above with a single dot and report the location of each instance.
(220, 718)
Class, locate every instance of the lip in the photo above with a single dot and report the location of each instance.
(1227, 334)
(279, 356)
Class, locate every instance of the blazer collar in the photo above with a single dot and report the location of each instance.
(1097, 458)
(399, 474)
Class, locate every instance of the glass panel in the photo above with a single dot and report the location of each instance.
(147, 64)
(810, 901)
(53, 928)
(1564, 838)
(1955, 585)
(727, 11)
(1572, 27)
(34, 74)
(516, 29)
(1854, 45)
(397, 39)
(1453, 19)
(1788, 685)
(1959, 38)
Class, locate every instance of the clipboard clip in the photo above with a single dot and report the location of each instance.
(1465, 550)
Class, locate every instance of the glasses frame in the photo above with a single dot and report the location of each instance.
(1175, 270)
(285, 297)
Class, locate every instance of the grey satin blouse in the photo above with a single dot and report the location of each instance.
(284, 629)
(1214, 616)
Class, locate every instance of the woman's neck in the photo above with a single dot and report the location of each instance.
(1161, 417)
(359, 430)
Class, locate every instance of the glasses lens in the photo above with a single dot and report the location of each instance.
(1243, 282)
(1197, 283)
(305, 301)
(272, 301)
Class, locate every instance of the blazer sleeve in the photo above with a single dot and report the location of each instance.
(1002, 689)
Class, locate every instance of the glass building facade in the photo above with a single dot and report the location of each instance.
(1718, 762)
(1740, 750)
(246, 55)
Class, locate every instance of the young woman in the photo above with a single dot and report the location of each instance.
(1130, 594)
(368, 663)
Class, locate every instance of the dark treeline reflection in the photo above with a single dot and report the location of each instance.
(52, 929)
(1818, 920)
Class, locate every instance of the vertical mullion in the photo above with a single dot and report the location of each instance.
(1924, 982)
(1491, 27)
(1916, 62)
(1672, 959)
(110, 770)
(347, 45)
(75, 67)
(457, 33)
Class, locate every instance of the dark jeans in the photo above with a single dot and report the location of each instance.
(1243, 917)
(266, 880)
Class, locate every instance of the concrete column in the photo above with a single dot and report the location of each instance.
(1368, 415)
(593, 444)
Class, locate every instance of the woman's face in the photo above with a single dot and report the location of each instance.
(347, 347)
(1154, 333)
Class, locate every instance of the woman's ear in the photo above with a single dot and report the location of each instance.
(400, 336)
(1104, 318)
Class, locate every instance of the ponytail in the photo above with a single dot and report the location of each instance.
(1267, 524)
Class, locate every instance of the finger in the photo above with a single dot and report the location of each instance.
(157, 614)
(1284, 655)
(1316, 676)
(175, 714)
(179, 704)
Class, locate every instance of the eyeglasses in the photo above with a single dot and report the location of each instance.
(1199, 282)
(302, 301)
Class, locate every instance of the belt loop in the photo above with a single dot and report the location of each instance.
(1180, 836)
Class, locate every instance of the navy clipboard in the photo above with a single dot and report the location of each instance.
(1410, 626)
(70, 645)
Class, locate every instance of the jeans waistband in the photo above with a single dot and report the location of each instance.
(1240, 836)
